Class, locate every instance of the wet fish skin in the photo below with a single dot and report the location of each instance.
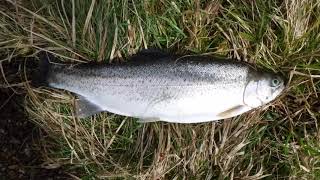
(186, 89)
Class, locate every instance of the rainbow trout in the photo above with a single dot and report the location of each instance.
(155, 86)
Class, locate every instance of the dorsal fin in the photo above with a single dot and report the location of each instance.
(150, 55)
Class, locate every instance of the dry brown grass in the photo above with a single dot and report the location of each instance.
(275, 142)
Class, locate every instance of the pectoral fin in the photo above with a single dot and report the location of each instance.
(85, 108)
(234, 111)
(147, 120)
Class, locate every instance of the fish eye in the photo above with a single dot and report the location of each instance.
(275, 82)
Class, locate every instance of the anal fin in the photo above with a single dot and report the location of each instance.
(85, 108)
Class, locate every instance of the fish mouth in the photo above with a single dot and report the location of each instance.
(280, 90)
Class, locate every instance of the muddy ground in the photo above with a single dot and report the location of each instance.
(20, 155)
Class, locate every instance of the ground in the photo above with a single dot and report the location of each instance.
(19, 156)
(278, 141)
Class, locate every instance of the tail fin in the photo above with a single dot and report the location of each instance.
(41, 75)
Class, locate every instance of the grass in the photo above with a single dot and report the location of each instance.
(280, 141)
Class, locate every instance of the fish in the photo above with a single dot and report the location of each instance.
(159, 86)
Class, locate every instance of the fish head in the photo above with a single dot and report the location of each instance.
(262, 88)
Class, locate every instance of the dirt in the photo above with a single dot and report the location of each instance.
(20, 156)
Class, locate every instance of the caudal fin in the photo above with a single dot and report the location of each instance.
(40, 76)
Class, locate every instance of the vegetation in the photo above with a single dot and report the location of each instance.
(279, 141)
